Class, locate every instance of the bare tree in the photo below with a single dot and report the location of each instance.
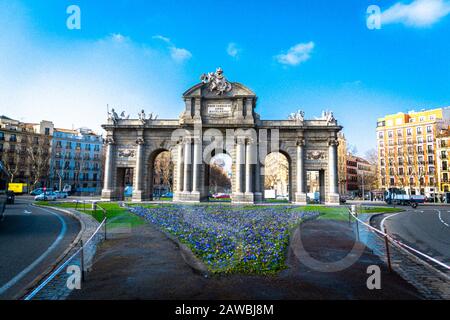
(12, 163)
(371, 180)
(218, 179)
(38, 152)
(163, 169)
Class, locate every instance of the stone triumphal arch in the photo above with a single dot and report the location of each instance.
(219, 116)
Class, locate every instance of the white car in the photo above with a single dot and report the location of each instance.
(61, 194)
(46, 196)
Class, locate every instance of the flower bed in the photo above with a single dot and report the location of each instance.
(230, 239)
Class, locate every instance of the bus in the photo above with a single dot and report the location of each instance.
(4, 178)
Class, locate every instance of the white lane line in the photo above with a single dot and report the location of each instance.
(385, 218)
(25, 271)
(442, 220)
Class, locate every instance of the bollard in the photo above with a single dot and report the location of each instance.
(106, 220)
(388, 255)
(82, 261)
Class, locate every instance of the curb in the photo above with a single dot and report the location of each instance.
(188, 256)
(61, 257)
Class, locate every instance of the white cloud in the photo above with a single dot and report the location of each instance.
(233, 50)
(119, 38)
(297, 54)
(178, 54)
(419, 13)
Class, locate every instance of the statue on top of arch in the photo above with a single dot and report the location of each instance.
(216, 81)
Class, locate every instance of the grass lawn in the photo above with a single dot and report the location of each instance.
(114, 213)
(341, 213)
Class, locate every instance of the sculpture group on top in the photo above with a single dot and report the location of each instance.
(114, 117)
(217, 82)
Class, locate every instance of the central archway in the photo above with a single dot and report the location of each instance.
(160, 177)
(219, 176)
(277, 177)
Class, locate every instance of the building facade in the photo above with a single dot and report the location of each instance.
(25, 149)
(443, 159)
(76, 162)
(407, 150)
(342, 163)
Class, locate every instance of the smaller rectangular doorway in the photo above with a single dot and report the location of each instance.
(315, 186)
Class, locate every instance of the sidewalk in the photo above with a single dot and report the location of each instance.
(147, 265)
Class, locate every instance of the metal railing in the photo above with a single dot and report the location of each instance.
(390, 240)
(63, 279)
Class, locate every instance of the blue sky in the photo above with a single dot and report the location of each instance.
(309, 55)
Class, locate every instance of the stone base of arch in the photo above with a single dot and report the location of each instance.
(108, 195)
(333, 199)
(300, 199)
(138, 196)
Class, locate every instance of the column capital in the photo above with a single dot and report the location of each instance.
(140, 141)
(301, 142)
(186, 140)
(333, 142)
(240, 140)
(109, 140)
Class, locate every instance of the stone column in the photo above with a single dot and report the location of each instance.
(179, 171)
(300, 195)
(196, 176)
(249, 164)
(187, 165)
(138, 193)
(240, 160)
(333, 197)
(257, 192)
(108, 192)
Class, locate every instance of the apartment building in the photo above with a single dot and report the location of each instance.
(342, 163)
(25, 149)
(407, 150)
(76, 160)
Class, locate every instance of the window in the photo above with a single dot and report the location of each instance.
(429, 138)
(390, 134)
(12, 138)
(432, 117)
(422, 119)
(47, 131)
(1, 147)
(408, 131)
(390, 123)
(380, 136)
(419, 140)
(429, 129)
(399, 132)
(444, 166)
(419, 130)
(412, 120)
(2, 136)
(400, 171)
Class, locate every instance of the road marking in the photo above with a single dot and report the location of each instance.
(442, 220)
(27, 212)
(387, 217)
(25, 271)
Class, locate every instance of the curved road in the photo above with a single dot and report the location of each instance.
(426, 229)
(31, 239)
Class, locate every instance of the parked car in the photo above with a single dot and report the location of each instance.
(167, 195)
(61, 194)
(39, 191)
(128, 191)
(46, 196)
(221, 196)
(10, 197)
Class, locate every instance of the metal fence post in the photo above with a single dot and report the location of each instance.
(82, 261)
(106, 220)
(388, 255)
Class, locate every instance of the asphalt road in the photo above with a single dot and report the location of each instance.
(426, 229)
(31, 239)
